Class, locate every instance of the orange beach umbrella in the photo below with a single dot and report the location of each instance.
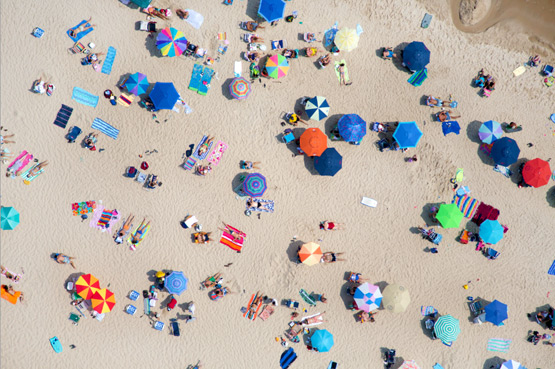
(86, 286)
(313, 142)
(310, 253)
(103, 301)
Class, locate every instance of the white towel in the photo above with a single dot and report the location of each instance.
(195, 19)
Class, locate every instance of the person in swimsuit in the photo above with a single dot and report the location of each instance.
(236, 236)
(342, 80)
(294, 119)
(254, 306)
(73, 32)
(249, 164)
(136, 238)
(183, 14)
(444, 116)
(39, 86)
(432, 102)
(37, 169)
(124, 229)
(253, 56)
(90, 141)
(203, 237)
(331, 257)
(12, 277)
(212, 281)
(3, 139)
(259, 204)
(325, 60)
(205, 145)
(388, 53)
(64, 259)
(252, 26)
(92, 58)
(331, 226)
(289, 53)
(311, 51)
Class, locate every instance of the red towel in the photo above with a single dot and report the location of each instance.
(228, 240)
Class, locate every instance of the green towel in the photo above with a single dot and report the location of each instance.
(307, 298)
(344, 68)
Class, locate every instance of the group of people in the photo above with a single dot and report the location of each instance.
(485, 81)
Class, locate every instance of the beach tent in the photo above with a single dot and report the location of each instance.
(505, 151)
(368, 297)
(9, 218)
(407, 134)
(449, 216)
(496, 312)
(352, 128)
(447, 328)
(329, 163)
(254, 185)
(491, 231)
(176, 283)
(396, 298)
(271, 10)
(142, 3)
(416, 56)
(164, 95)
(536, 172)
(322, 340)
(313, 142)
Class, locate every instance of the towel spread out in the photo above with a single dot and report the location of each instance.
(228, 240)
(217, 152)
(109, 60)
(195, 19)
(81, 34)
(85, 207)
(427, 310)
(105, 128)
(499, 345)
(63, 116)
(84, 97)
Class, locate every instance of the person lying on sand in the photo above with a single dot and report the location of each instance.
(446, 115)
(37, 169)
(289, 53)
(203, 237)
(252, 26)
(342, 80)
(125, 228)
(236, 236)
(64, 259)
(12, 277)
(253, 56)
(254, 306)
(212, 281)
(183, 14)
(294, 119)
(203, 149)
(319, 318)
(388, 53)
(73, 32)
(331, 226)
(259, 204)
(249, 164)
(433, 102)
(136, 238)
(331, 257)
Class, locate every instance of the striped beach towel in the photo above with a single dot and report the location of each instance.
(499, 345)
(84, 207)
(418, 78)
(25, 176)
(190, 163)
(105, 218)
(228, 240)
(105, 128)
(125, 99)
(96, 222)
(551, 270)
(307, 298)
(427, 310)
(84, 97)
(466, 204)
(134, 246)
(109, 60)
(63, 116)
(203, 156)
(268, 208)
(217, 152)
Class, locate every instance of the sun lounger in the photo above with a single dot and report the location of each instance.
(547, 70)
(291, 304)
(307, 298)
(73, 134)
(147, 26)
(477, 307)
(38, 32)
(159, 325)
(492, 254)
(369, 202)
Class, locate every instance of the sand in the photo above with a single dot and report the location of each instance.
(379, 243)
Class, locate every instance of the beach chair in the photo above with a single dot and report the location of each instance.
(492, 254)
(159, 325)
(73, 134)
(547, 70)
(191, 50)
(287, 137)
(279, 44)
(464, 237)
(130, 309)
(291, 304)
(477, 307)
(141, 177)
(383, 144)
(38, 32)
(147, 26)
(175, 328)
(74, 318)
(78, 48)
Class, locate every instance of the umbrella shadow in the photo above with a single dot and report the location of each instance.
(309, 165)
(472, 131)
(151, 274)
(427, 213)
(494, 362)
(550, 196)
(414, 230)
(486, 159)
(150, 44)
(516, 169)
(398, 61)
(225, 89)
(252, 10)
(348, 299)
(122, 79)
(72, 278)
(300, 108)
(427, 332)
(237, 180)
(532, 317)
(293, 250)
(331, 122)
(424, 101)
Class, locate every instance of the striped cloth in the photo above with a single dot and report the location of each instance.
(551, 270)
(499, 345)
(466, 204)
(63, 116)
(105, 218)
(109, 60)
(228, 240)
(190, 163)
(105, 128)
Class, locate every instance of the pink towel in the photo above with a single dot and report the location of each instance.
(216, 154)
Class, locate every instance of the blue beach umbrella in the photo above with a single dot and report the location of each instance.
(322, 340)
(351, 127)
(368, 297)
(511, 364)
(254, 185)
(496, 312)
(407, 134)
(505, 151)
(491, 231)
(416, 56)
(317, 108)
(164, 95)
(271, 10)
(329, 163)
(490, 131)
(9, 218)
(137, 84)
(176, 283)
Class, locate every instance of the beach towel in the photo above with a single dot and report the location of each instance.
(503, 170)
(346, 71)
(134, 246)
(268, 208)
(19, 164)
(228, 240)
(147, 306)
(459, 175)
(466, 204)
(222, 36)
(484, 212)
(287, 358)
(427, 310)
(307, 298)
(499, 345)
(369, 202)
(551, 270)
(8, 296)
(196, 77)
(125, 99)
(195, 19)
(450, 127)
(105, 128)
(85, 207)
(205, 80)
(205, 154)
(319, 320)
(190, 163)
(426, 20)
(102, 217)
(518, 71)
(418, 78)
(81, 34)
(238, 69)
(63, 116)
(216, 154)
(109, 60)
(84, 97)
(266, 312)
(25, 176)
(20, 157)
(437, 366)
(329, 35)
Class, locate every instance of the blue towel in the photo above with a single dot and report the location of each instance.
(80, 35)
(63, 116)
(551, 270)
(418, 77)
(450, 127)
(109, 60)
(437, 366)
(84, 97)
(105, 128)
(329, 35)
(287, 358)
(205, 81)
(203, 156)
(195, 77)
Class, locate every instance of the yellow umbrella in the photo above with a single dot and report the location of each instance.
(310, 253)
(346, 39)
(396, 298)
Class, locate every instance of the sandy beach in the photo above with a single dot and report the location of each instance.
(382, 243)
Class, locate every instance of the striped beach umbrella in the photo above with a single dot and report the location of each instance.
(240, 88)
(396, 298)
(490, 131)
(103, 301)
(368, 297)
(254, 185)
(346, 39)
(9, 218)
(137, 84)
(86, 286)
(277, 66)
(409, 364)
(171, 42)
(491, 231)
(317, 108)
(310, 253)
(447, 328)
(449, 216)
(511, 364)
(176, 283)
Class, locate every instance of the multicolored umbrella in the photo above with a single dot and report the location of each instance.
(351, 127)
(536, 172)
(368, 297)
(176, 283)
(447, 328)
(490, 131)
(322, 340)
(409, 364)
(505, 151)
(491, 231)
(137, 84)
(240, 88)
(103, 301)
(346, 39)
(313, 142)
(511, 364)
(9, 218)
(416, 56)
(407, 134)
(171, 42)
(317, 108)
(271, 10)
(277, 66)
(329, 163)
(449, 215)
(496, 312)
(86, 286)
(396, 298)
(164, 95)
(310, 253)
(254, 185)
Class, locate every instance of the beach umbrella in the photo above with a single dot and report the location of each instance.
(447, 328)
(496, 312)
(322, 340)
(490, 131)
(254, 185)
(313, 142)
(86, 286)
(240, 88)
(142, 3)
(511, 364)
(346, 39)
(416, 56)
(396, 298)
(407, 134)
(351, 127)
(103, 301)
(310, 253)
(9, 217)
(505, 151)
(271, 10)
(368, 297)
(536, 172)
(491, 231)
(317, 108)
(176, 283)
(277, 66)
(164, 95)
(137, 84)
(171, 42)
(409, 364)
(329, 163)
(449, 215)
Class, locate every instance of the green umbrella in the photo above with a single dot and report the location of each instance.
(449, 216)
(9, 218)
(447, 328)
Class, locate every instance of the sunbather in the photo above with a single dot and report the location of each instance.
(125, 228)
(160, 13)
(388, 53)
(12, 277)
(73, 32)
(37, 169)
(311, 51)
(203, 149)
(342, 80)
(203, 170)
(254, 306)
(4, 155)
(480, 81)
(183, 14)
(319, 318)
(490, 84)
(252, 56)
(39, 86)
(310, 37)
(331, 226)
(356, 278)
(212, 281)
(446, 115)
(92, 59)
(433, 102)
(253, 37)
(325, 60)
(154, 182)
(294, 119)
(259, 204)
(534, 61)
(4, 141)
(64, 259)
(367, 317)
(136, 238)
(236, 236)
(331, 257)
(512, 126)
(289, 53)
(218, 293)
(252, 26)
(203, 237)
(249, 164)
(90, 141)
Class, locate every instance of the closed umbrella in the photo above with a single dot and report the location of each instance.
(9, 218)
(310, 253)
(491, 231)
(254, 185)
(368, 297)
(409, 364)
(137, 84)
(346, 39)
(240, 88)
(271, 10)
(490, 131)
(496, 312)
(505, 151)
(171, 42)
(396, 298)
(277, 66)
(103, 301)
(176, 283)
(164, 95)
(317, 108)
(536, 172)
(329, 163)
(407, 134)
(322, 340)
(416, 56)
(352, 128)
(511, 364)
(86, 286)
(449, 215)
(447, 328)
(313, 142)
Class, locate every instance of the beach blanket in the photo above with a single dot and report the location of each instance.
(484, 212)
(109, 60)
(195, 19)
(418, 77)
(216, 154)
(190, 163)
(20, 157)
(84, 97)
(105, 128)
(427, 310)
(82, 34)
(63, 116)
(85, 207)
(134, 246)
(450, 127)
(100, 219)
(206, 78)
(551, 270)
(329, 35)
(205, 154)
(503, 170)
(307, 298)
(466, 204)
(266, 312)
(25, 176)
(268, 208)
(438, 366)
(19, 164)
(346, 71)
(228, 240)
(499, 345)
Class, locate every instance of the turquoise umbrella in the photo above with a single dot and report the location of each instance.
(447, 328)
(322, 340)
(9, 218)
(491, 231)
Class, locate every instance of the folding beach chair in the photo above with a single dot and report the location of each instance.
(141, 177)
(492, 254)
(159, 325)
(74, 318)
(288, 137)
(279, 44)
(130, 309)
(148, 27)
(547, 70)
(291, 304)
(73, 134)
(476, 307)
(78, 48)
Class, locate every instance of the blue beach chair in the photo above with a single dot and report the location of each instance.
(73, 134)
(159, 325)
(130, 309)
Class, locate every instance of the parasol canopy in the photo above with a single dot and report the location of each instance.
(310, 253)
(317, 108)
(254, 185)
(346, 39)
(313, 142)
(277, 66)
(9, 218)
(86, 286)
(240, 88)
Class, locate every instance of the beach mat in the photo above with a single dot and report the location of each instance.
(196, 76)
(84, 207)
(84, 97)
(205, 81)
(63, 116)
(190, 163)
(499, 345)
(466, 204)
(551, 270)
(134, 246)
(426, 20)
(427, 310)
(418, 78)
(25, 176)
(80, 35)
(228, 240)
(266, 312)
(195, 19)
(109, 60)
(105, 128)
(217, 153)
(518, 71)
(203, 156)
(307, 298)
(344, 68)
(264, 210)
